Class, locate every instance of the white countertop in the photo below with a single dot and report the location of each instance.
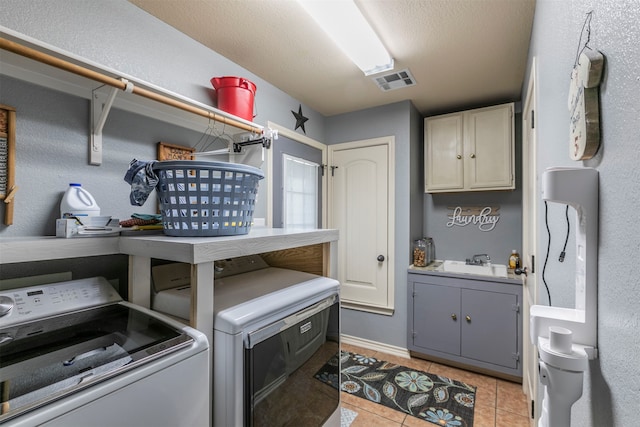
(435, 268)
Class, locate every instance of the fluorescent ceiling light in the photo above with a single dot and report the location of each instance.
(345, 24)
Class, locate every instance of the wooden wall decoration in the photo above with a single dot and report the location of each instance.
(168, 151)
(584, 108)
(584, 125)
(174, 152)
(8, 185)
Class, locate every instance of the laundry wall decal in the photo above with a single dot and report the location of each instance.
(485, 218)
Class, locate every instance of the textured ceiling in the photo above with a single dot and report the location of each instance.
(462, 53)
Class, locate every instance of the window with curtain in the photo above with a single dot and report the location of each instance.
(300, 191)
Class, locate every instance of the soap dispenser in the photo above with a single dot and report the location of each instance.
(514, 260)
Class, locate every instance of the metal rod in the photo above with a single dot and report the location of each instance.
(265, 142)
(114, 82)
(213, 152)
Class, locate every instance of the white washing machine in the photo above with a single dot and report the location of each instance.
(274, 329)
(74, 354)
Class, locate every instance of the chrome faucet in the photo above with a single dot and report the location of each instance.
(477, 260)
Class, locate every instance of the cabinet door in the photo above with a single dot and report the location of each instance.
(488, 147)
(443, 153)
(436, 317)
(490, 327)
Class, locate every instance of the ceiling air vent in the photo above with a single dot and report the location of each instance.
(392, 81)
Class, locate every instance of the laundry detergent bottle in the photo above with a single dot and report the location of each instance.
(78, 202)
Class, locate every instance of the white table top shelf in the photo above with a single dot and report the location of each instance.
(192, 250)
(197, 250)
(42, 248)
(200, 252)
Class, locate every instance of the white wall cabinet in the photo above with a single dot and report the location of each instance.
(470, 150)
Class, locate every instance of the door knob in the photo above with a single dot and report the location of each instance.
(454, 316)
(520, 271)
(468, 318)
(380, 258)
(473, 156)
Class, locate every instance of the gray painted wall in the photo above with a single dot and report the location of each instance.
(419, 214)
(611, 392)
(117, 34)
(53, 128)
(401, 120)
(51, 151)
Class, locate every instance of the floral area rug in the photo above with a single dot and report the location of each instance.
(434, 398)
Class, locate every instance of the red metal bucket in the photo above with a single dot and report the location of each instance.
(235, 95)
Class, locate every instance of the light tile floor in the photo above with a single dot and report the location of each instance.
(499, 403)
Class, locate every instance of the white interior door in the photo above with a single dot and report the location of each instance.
(361, 208)
(529, 236)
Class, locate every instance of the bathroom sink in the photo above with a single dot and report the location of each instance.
(493, 270)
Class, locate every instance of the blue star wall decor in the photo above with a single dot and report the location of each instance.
(300, 119)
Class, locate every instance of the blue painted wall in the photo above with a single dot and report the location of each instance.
(611, 391)
(53, 128)
(401, 120)
(419, 214)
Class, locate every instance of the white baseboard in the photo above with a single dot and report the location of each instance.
(376, 346)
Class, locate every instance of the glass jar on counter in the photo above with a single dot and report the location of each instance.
(431, 250)
(419, 253)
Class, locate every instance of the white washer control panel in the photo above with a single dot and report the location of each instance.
(30, 303)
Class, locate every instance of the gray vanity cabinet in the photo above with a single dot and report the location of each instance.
(468, 321)
(436, 313)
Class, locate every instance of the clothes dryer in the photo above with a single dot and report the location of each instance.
(274, 328)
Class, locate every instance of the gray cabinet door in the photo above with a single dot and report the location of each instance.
(490, 327)
(436, 322)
